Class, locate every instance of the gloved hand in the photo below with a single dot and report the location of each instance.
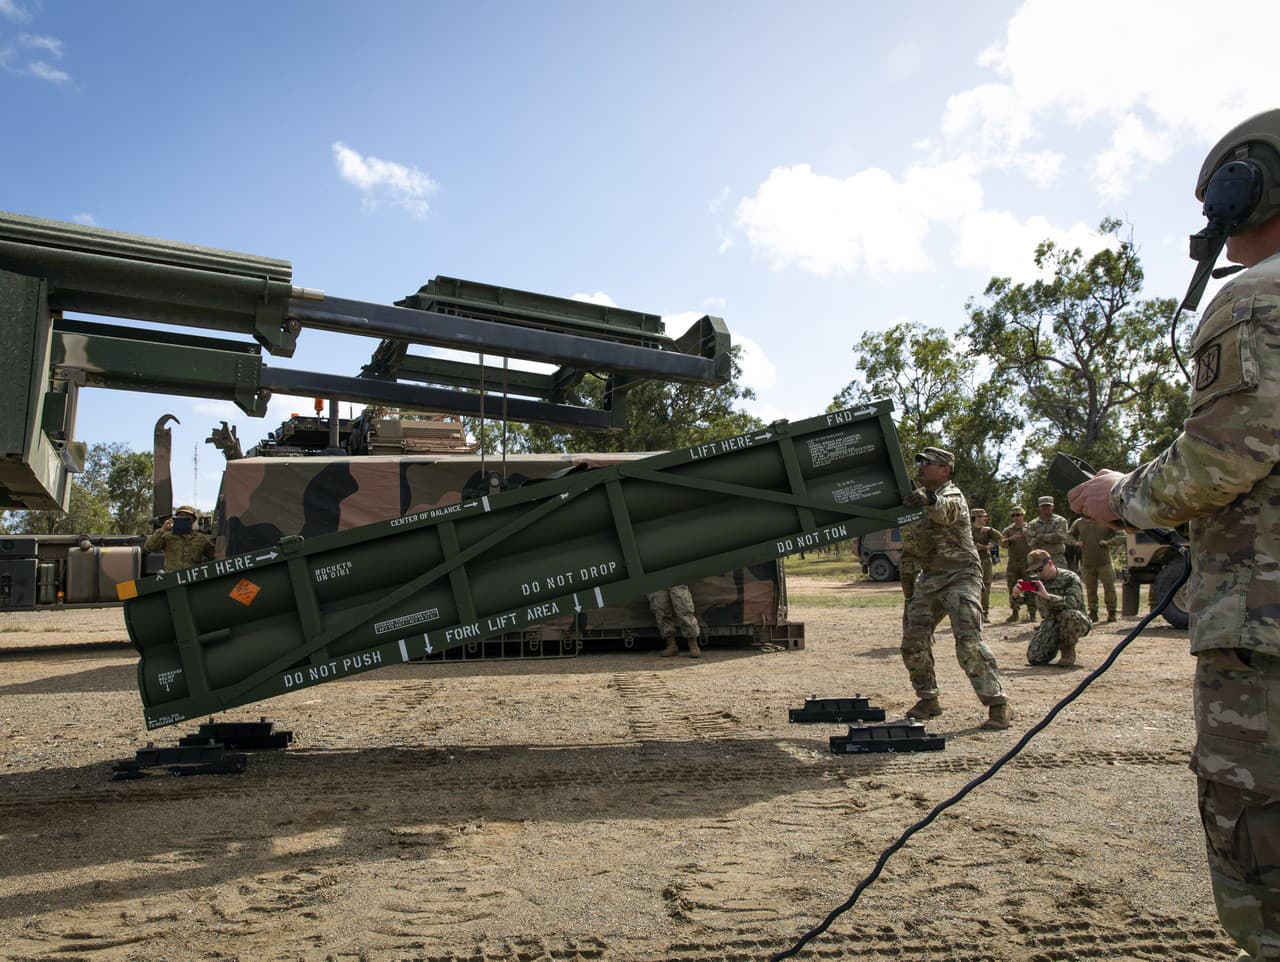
(919, 497)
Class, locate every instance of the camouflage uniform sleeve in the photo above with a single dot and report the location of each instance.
(950, 508)
(155, 540)
(1231, 441)
(207, 551)
(1072, 593)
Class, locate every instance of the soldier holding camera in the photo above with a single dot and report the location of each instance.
(182, 545)
(1065, 622)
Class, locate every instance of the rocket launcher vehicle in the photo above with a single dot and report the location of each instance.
(304, 612)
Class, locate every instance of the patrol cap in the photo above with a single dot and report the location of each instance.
(1045, 500)
(1036, 558)
(1018, 510)
(187, 509)
(938, 456)
(978, 512)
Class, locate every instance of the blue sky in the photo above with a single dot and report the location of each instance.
(808, 171)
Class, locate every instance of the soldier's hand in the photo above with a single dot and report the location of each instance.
(1093, 498)
(168, 525)
(919, 497)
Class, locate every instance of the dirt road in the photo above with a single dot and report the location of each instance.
(607, 807)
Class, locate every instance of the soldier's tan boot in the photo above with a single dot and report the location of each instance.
(670, 650)
(1111, 615)
(999, 717)
(1013, 616)
(1067, 657)
(1093, 615)
(925, 708)
(694, 650)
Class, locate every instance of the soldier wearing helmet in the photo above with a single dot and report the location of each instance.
(182, 545)
(1222, 477)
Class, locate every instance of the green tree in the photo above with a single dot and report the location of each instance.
(940, 398)
(1091, 359)
(128, 489)
(660, 417)
(111, 496)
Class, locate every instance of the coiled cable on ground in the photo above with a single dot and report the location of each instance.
(990, 772)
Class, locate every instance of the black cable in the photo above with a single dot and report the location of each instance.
(999, 763)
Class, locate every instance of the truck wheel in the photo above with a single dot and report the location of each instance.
(882, 569)
(1176, 612)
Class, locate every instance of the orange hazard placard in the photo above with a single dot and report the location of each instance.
(244, 592)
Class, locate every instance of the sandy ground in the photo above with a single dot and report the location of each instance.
(607, 807)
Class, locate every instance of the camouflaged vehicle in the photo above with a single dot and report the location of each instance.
(287, 493)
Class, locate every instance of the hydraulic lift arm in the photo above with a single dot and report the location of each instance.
(49, 268)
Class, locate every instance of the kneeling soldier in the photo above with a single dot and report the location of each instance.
(1065, 621)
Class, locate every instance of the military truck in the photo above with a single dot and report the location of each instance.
(69, 570)
(1159, 564)
(881, 554)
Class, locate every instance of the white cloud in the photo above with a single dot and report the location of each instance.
(903, 62)
(86, 219)
(1134, 72)
(1121, 83)
(868, 221)
(758, 371)
(27, 55)
(996, 243)
(599, 297)
(383, 180)
(13, 11)
(51, 45)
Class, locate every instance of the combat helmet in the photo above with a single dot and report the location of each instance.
(1250, 152)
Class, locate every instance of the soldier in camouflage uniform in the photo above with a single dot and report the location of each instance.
(1066, 622)
(1094, 540)
(673, 610)
(950, 584)
(909, 566)
(1222, 477)
(1014, 539)
(985, 539)
(182, 545)
(1048, 532)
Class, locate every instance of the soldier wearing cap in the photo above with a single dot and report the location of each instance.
(949, 585)
(1094, 539)
(182, 545)
(1048, 531)
(1065, 622)
(1014, 539)
(986, 540)
(1221, 476)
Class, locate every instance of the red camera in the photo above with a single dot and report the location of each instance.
(1031, 586)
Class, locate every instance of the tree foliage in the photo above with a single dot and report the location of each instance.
(939, 398)
(111, 496)
(1077, 361)
(660, 417)
(1091, 358)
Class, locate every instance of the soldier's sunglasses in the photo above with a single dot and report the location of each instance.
(923, 461)
(1036, 571)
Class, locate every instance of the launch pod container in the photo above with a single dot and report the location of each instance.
(307, 611)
